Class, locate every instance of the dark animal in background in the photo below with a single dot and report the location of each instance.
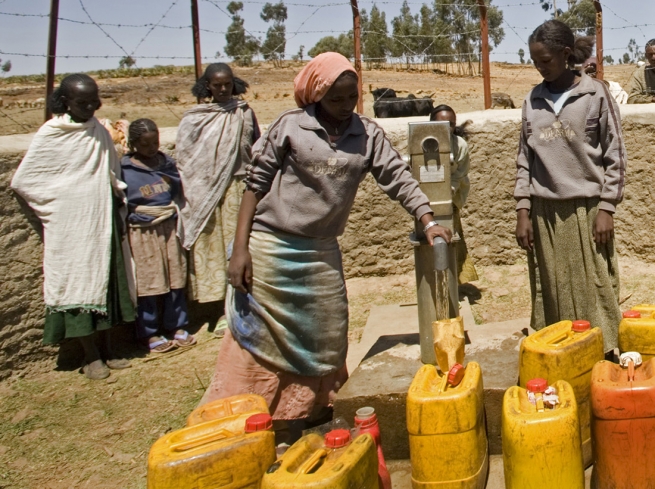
(379, 93)
(411, 106)
(502, 100)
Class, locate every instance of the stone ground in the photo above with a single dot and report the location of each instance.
(59, 430)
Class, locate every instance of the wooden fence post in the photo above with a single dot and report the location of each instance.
(486, 68)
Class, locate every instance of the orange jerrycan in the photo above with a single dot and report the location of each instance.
(231, 452)
(221, 408)
(541, 437)
(445, 416)
(623, 404)
(637, 333)
(567, 350)
(330, 462)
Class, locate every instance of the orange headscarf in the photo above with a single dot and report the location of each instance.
(316, 78)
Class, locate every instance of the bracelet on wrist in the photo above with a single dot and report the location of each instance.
(429, 225)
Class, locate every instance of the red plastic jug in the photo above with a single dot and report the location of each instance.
(367, 422)
(623, 423)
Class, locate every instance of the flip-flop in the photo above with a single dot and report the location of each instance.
(221, 327)
(96, 370)
(184, 340)
(162, 345)
(118, 363)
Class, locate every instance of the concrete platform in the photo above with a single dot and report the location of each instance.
(387, 358)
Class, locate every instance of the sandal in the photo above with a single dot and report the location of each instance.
(221, 327)
(184, 339)
(96, 370)
(162, 345)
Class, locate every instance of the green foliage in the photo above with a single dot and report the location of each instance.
(522, 56)
(6, 67)
(343, 45)
(300, 54)
(635, 52)
(581, 17)
(405, 31)
(126, 62)
(239, 45)
(608, 60)
(275, 43)
(375, 40)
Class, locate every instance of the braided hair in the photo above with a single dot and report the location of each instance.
(556, 35)
(56, 102)
(460, 130)
(200, 89)
(138, 128)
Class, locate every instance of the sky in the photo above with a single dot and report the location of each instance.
(308, 21)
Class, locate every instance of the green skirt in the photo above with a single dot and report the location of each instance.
(120, 309)
(571, 277)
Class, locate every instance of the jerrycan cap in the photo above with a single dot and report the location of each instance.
(456, 374)
(259, 422)
(537, 385)
(580, 326)
(337, 438)
(631, 314)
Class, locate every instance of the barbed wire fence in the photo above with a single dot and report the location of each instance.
(423, 58)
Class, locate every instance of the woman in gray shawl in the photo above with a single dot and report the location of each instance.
(213, 147)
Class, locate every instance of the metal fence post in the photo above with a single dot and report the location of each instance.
(600, 70)
(357, 34)
(486, 68)
(195, 25)
(52, 53)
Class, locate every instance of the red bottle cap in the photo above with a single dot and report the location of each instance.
(337, 438)
(259, 422)
(632, 314)
(580, 326)
(456, 374)
(537, 385)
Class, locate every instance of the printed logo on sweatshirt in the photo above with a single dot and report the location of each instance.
(559, 129)
(334, 167)
(150, 190)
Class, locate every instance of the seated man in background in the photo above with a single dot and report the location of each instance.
(641, 89)
(590, 67)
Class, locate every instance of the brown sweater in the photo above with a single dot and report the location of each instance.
(577, 153)
(309, 184)
(641, 89)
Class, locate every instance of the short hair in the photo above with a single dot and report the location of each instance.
(138, 128)
(56, 104)
(441, 108)
(650, 44)
(556, 35)
(460, 130)
(200, 89)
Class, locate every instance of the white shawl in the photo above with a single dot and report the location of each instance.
(207, 152)
(67, 177)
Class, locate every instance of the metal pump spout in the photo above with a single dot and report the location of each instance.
(436, 266)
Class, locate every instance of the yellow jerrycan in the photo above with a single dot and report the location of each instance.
(330, 462)
(541, 438)
(221, 408)
(646, 310)
(637, 332)
(445, 416)
(230, 453)
(567, 350)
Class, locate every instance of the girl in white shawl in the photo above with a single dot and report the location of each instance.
(213, 148)
(68, 177)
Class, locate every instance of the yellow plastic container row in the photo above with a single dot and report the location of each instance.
(558, 353)
(309, 464)
(221, 408)
(541, 449)
(447, 437)
(213, 454)
(638, 334)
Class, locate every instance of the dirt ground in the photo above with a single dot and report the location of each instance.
(59, 430)
(165, 98)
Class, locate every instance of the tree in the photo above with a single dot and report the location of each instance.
(299, 55)
(636, 54)
(6, 67)
(404, 32)
(275, 42)
(581, 17)
(239, 45)
(126, 62)
(375, 40)
(626, 59)
(343, 45)
(522, 56)
(608, 60)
